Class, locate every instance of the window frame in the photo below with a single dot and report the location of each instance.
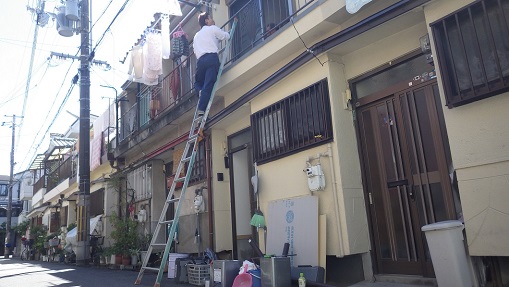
(54, 221)
(288, 133)
(4, 189)
(97, 202)
(472, 56)
(199, 171)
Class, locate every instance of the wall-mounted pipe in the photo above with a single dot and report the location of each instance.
(334, 193)
(210, 206)
(336, 203)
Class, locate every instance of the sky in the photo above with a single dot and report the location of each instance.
(43, 104)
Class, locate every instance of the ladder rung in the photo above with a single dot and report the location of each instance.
(176, 199)
(151, 268)
(180, 179)
(167, 222)
(158, 244)
(187, 159)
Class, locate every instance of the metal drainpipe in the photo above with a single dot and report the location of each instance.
(209, 192)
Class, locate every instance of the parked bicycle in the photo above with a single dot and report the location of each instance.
(53, 250)
(96, 242)
(27, 252)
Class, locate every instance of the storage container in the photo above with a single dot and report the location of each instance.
(197, 274)
(172, 257)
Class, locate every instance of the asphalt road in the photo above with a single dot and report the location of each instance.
(17, 273)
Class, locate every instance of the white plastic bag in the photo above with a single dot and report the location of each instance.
(250, 266)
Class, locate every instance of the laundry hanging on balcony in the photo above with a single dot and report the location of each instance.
(137, 15)
(165, 34)
(179, 44)
(136, 65)
(146, 60)
(152, 58)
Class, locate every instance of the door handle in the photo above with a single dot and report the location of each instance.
(396, 183)
(404, 182)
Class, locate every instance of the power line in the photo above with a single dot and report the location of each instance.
(47, 115)
(30, 67)
(50, 125)
(68, 94)
(14, 92)
(109, 27)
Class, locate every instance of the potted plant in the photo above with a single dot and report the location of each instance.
(106, 255)
(144, 243)
(134, 256)
(125, 235)
(38, 233)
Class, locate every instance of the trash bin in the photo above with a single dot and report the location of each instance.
(445, 241)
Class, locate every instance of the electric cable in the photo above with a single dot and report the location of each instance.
(16, 93)
(102, 14)
(107, 29)
(90, 59)
(307, 48)
(56, 115)
(69, 91)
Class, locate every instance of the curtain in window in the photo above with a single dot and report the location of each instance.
(271, 128)
(140, 182)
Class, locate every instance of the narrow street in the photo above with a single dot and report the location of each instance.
(17, 273)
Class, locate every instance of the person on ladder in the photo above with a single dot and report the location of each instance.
(206, 47)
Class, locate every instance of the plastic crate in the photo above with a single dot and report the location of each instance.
(197, 274)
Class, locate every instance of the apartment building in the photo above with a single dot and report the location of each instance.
(51, 201)
(363, 121)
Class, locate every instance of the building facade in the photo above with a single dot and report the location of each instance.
(362, 120)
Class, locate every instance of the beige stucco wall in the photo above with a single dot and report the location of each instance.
(352, 236)
(372, 56)
(479, 137)
(221, 199)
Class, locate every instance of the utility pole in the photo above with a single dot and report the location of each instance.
(83, 225)
(8, 243)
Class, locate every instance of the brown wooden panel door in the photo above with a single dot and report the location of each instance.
(405, 175)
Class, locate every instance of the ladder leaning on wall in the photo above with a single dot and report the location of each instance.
(188, 157)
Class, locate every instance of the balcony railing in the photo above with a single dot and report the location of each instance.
(66, 170)
(257, 25)
(40, 184)
(152, 101)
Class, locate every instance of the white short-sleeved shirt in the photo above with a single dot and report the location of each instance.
(207, 40)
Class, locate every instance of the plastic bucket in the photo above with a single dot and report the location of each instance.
(243, 280)
(256, 274)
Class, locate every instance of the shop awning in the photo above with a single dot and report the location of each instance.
(37, 211)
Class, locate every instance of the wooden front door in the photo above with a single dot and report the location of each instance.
(405, 154)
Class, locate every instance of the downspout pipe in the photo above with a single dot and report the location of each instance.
(210, 206)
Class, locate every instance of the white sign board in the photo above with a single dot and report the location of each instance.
(294, 221)
(352, 6)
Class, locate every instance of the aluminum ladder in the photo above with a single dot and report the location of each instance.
(195, 135)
